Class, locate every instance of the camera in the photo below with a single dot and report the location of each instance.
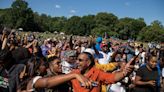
(6, 30)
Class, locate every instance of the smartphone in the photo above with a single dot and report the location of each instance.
(94, 84)
(134, 58)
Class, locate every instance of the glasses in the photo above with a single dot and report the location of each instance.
(82, 60)
(73, 58)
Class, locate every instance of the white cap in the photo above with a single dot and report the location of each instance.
(89, 50)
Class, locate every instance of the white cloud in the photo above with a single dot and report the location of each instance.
(127, 4)
(57, 6)
(72, 11)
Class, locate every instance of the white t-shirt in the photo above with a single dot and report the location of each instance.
(137, 51)
(117, 88)
(103, 58)
(162, 72)
(143, 57)
(66, 67)
(33, 83)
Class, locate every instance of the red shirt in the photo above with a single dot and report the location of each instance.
(95, 75)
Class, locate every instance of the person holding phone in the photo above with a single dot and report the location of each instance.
(86, 67)
(55, 81)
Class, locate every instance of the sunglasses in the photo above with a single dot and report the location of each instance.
(81, 60)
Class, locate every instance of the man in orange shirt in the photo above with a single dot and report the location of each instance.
(86, 67)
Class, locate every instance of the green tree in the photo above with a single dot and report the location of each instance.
(105, 22)
(129, 27)
(153, 32)
(73, 26)
(137, 26)
(58, 23)
(123, 27)
(88, 23)
(106, 19)
(21, 15)
(6, 18)
(99, 31)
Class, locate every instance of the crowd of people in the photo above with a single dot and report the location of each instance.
(29, 64)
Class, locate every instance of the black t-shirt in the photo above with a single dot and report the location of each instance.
(64, 87)
(146, 75)
(61, 88)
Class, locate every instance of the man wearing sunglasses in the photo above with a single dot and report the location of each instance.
(85, 63)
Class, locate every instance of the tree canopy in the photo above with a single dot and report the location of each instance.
(19, 15)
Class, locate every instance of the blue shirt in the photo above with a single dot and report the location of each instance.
(44, 50)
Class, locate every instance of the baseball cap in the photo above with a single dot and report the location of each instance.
(103, 44)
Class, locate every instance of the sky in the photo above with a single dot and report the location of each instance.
(150, 10)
